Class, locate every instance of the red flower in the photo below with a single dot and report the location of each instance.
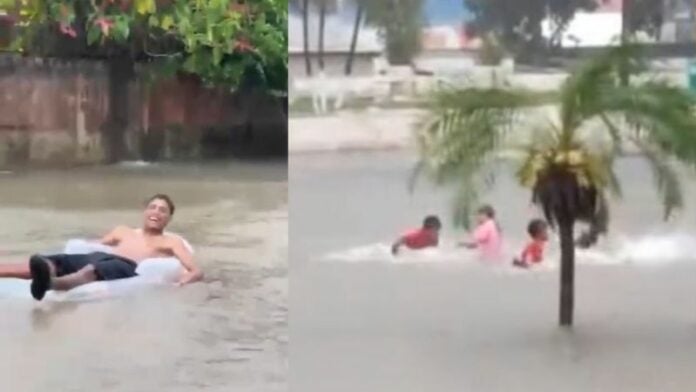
(243, 45)
(68, 30)
(239, 8)
(104, 24)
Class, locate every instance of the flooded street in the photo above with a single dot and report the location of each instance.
(365, 321)
(227, 333)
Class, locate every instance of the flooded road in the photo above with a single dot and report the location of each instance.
(227, 333)
(364, 321)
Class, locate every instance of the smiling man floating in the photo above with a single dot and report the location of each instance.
(129, 248)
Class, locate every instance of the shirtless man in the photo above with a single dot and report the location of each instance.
(130, 247)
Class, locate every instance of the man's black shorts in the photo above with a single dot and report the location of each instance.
(106, 266)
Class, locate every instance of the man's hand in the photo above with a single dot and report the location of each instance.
(181, 252)
(189, 277)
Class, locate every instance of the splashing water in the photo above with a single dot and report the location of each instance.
(649, 250)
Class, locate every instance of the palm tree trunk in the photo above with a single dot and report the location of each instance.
(625, 36)
(354, 40)
(322, 20)
(567, 272)
(305, 33)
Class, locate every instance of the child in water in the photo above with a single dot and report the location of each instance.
(425, 237)
(486, 236)
(533, 253)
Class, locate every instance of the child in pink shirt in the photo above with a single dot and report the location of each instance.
(486, 236)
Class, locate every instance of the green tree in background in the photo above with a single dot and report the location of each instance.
(643, 15)
(566, 160)
(517, 24)
(400, 23)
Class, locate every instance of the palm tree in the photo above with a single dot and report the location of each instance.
(567, 161)
(303, 5)
(305, 34)
(325, 6)
(360, 9)
(322, 22)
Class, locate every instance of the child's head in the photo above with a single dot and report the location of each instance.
(432, 222)
(538, 230)
(484, 213)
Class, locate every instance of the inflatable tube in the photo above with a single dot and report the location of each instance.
(151, 272)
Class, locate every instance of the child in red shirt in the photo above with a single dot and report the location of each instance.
(533, 253)
(425, 237)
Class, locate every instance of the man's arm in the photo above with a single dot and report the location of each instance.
(113, 237)
(181, 252)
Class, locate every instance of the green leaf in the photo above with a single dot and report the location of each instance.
(167, 22)
(666, 179)
(93, 34)
(217, 55)
(143, 7)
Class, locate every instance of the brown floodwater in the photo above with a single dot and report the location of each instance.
(226, 333)
(442, 321)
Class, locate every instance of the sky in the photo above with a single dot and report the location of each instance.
(437, 12)
(339, 26)
(445, 12)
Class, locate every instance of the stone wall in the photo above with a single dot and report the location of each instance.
(54, 112)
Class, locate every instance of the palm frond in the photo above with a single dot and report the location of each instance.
(659, 113)
(614, 132)
(531, 165)
(464, 126)
(415, 175)
(463, 204)
(469, 100)
(614, 184)
(464, 130)
(580, 91)
(600, 173)
(666, 178)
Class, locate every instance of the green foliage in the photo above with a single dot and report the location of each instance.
(645, 15)
(222, 41)
(224, 46)
(567, 161)
(518, 23)
(400, 23)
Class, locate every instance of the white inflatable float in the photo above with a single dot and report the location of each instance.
(151, 272)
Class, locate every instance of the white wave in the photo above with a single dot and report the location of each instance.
(381, 252)
(659, 249)
(651, 250)
(138, 163)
